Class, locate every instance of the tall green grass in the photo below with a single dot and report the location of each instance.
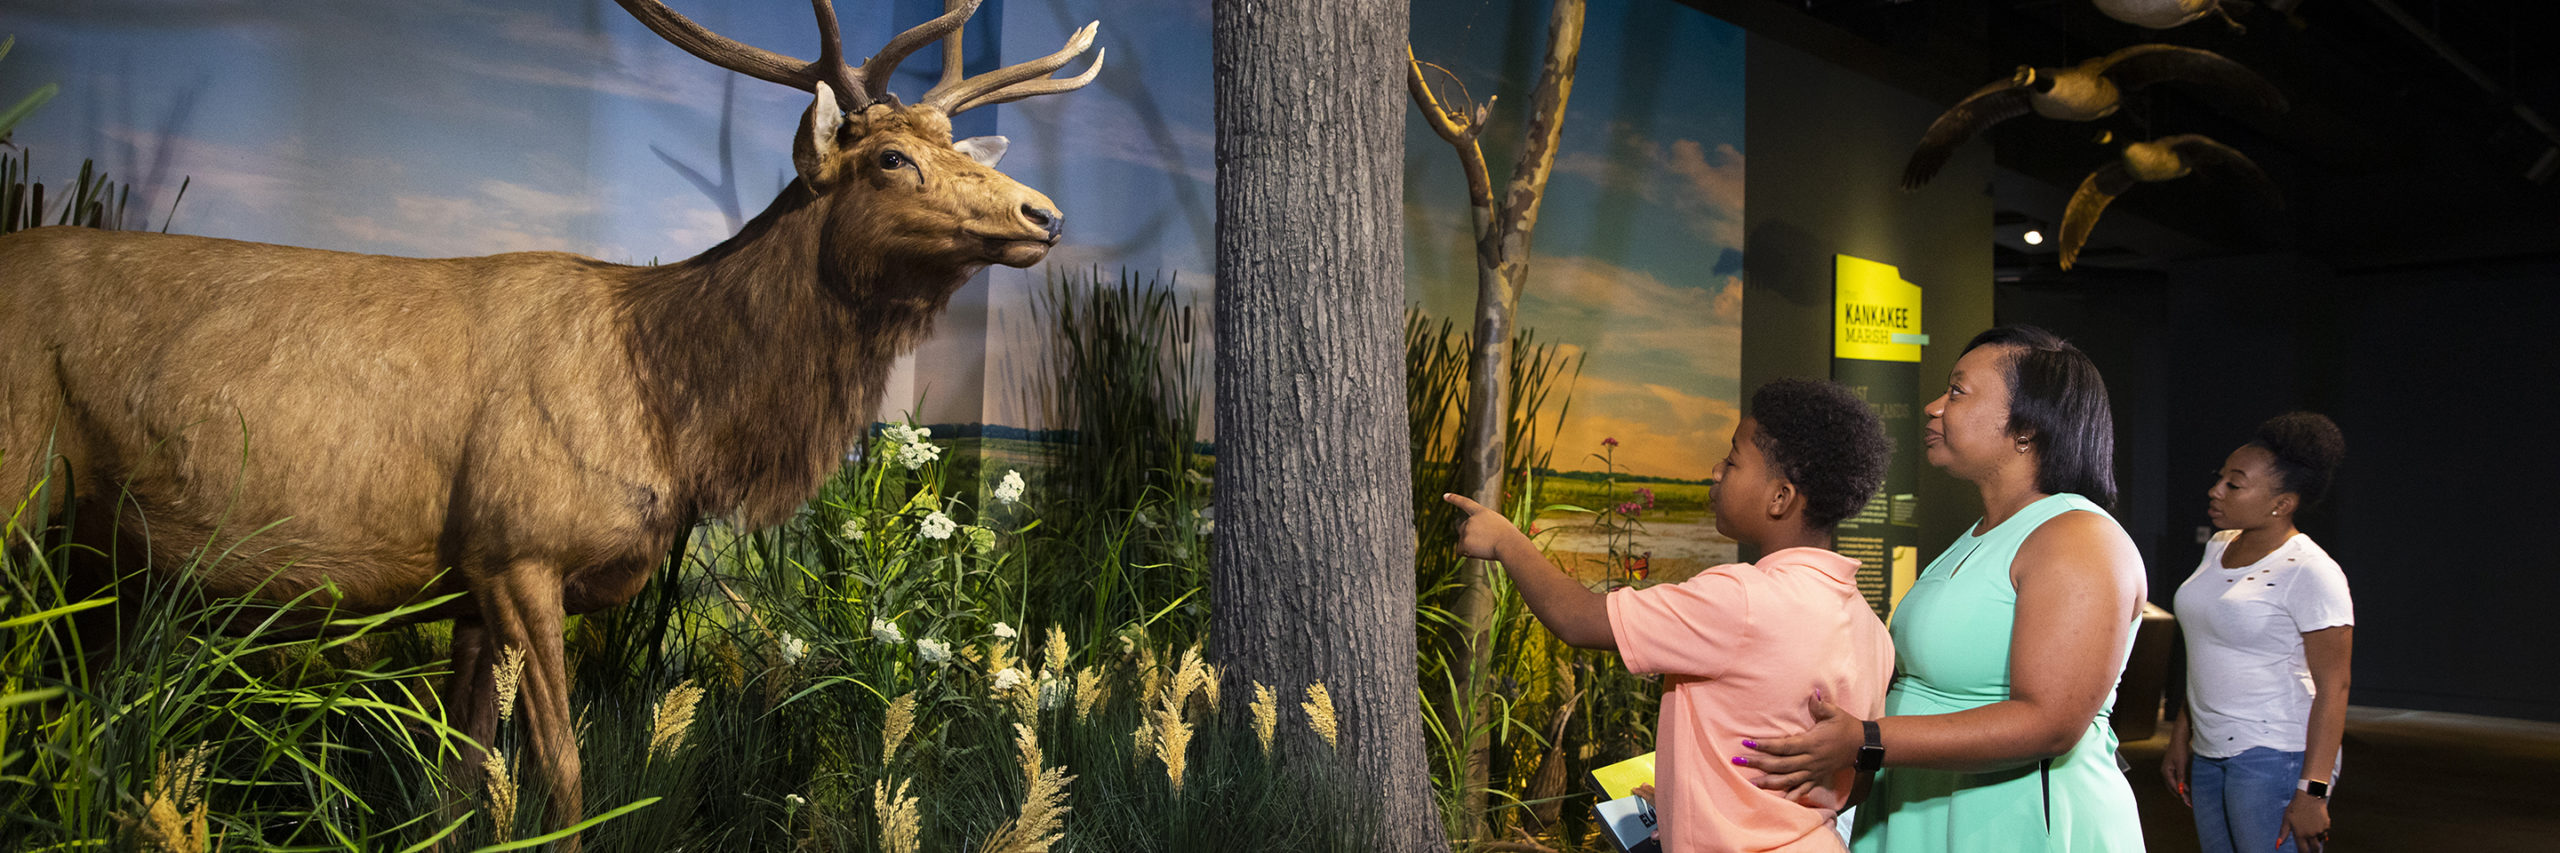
(797, 639)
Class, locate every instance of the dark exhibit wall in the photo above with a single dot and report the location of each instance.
(1827, 148)
(2437, 376)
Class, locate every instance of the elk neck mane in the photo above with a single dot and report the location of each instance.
(760, 362)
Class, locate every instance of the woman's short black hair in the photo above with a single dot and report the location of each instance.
(1826, 441)
(2307, 447)
(2058, 400)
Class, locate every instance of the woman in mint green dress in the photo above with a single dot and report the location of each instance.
(2010, 643)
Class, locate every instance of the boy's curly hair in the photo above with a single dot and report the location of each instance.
(1826, 441)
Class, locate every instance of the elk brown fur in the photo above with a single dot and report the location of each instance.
(533, 430)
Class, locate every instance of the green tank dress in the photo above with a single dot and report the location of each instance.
(1951, 649)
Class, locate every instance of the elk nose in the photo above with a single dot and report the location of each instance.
(1045, 218)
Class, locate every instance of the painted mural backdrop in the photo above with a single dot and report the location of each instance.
(466, 127)
(469, 127)
(1638, 253)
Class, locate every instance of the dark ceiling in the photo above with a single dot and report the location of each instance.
(2422, 132)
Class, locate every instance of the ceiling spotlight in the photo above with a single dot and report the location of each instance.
(2033, 237)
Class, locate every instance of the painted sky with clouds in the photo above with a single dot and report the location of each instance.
(1638, 251)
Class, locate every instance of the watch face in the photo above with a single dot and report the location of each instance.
(2316, 788)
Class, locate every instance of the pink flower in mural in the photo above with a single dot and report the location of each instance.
(1611, 441)
(1644, 496)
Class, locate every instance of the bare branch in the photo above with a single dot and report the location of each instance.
(1461, 132)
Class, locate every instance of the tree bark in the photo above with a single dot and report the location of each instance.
(1312, 566)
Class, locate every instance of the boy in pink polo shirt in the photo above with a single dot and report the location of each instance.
(1741, 647)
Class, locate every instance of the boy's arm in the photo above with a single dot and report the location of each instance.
(1577, 615)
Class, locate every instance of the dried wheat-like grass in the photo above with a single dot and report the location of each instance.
(1209, 679)
(672, 719)
(1089, 690)
(1266, 715)
(1187, 678)
(1173, 744)
(510, 675)
(1150, 676)
(733, 665)
(502, 795)
(999, 656)
(1044, 802)
(1054, 652)
(900, 819)
(893, 733)
(1319, 708)
(173, 812)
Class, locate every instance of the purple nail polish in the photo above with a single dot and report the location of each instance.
(1750, 745)
(1742, 761)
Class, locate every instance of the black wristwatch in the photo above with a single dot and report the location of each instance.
(1871, 756)
(2314, 787)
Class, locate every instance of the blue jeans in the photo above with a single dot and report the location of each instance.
(2240, 801)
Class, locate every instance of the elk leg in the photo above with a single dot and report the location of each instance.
(470, 708)
(526, 612)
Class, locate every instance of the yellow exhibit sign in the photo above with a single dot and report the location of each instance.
(1876, 315)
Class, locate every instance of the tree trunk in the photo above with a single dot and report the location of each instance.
(1503, 231)
(1312, 568)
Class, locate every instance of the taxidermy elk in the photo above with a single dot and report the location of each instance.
(533, 430)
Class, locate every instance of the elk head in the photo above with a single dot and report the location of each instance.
(899, 192)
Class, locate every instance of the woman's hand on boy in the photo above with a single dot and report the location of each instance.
(1807, 758)
(1484, 534)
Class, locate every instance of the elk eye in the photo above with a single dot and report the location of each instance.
(892, 160)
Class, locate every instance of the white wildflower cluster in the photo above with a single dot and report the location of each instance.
(852, 531)
(793, 648)
(1002, 631)
(887, 632)
(909, 446)
(937, 526)
(1007, 680)
(1009, 490)
(933, 651)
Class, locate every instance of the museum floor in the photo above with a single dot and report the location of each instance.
(2414, 780)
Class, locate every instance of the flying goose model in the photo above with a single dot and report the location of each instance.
(2166, 159)
(2085, 92)
(2165, 14)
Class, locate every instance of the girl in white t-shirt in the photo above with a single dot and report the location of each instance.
(2269, 631)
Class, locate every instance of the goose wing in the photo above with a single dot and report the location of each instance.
(2203, 154)
(2144, 64)
(2096, 191)
(1987, 106)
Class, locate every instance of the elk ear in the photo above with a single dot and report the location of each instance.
(813, 152)
(984, 149)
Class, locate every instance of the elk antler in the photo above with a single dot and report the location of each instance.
(859, 87)
(1013, 82)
